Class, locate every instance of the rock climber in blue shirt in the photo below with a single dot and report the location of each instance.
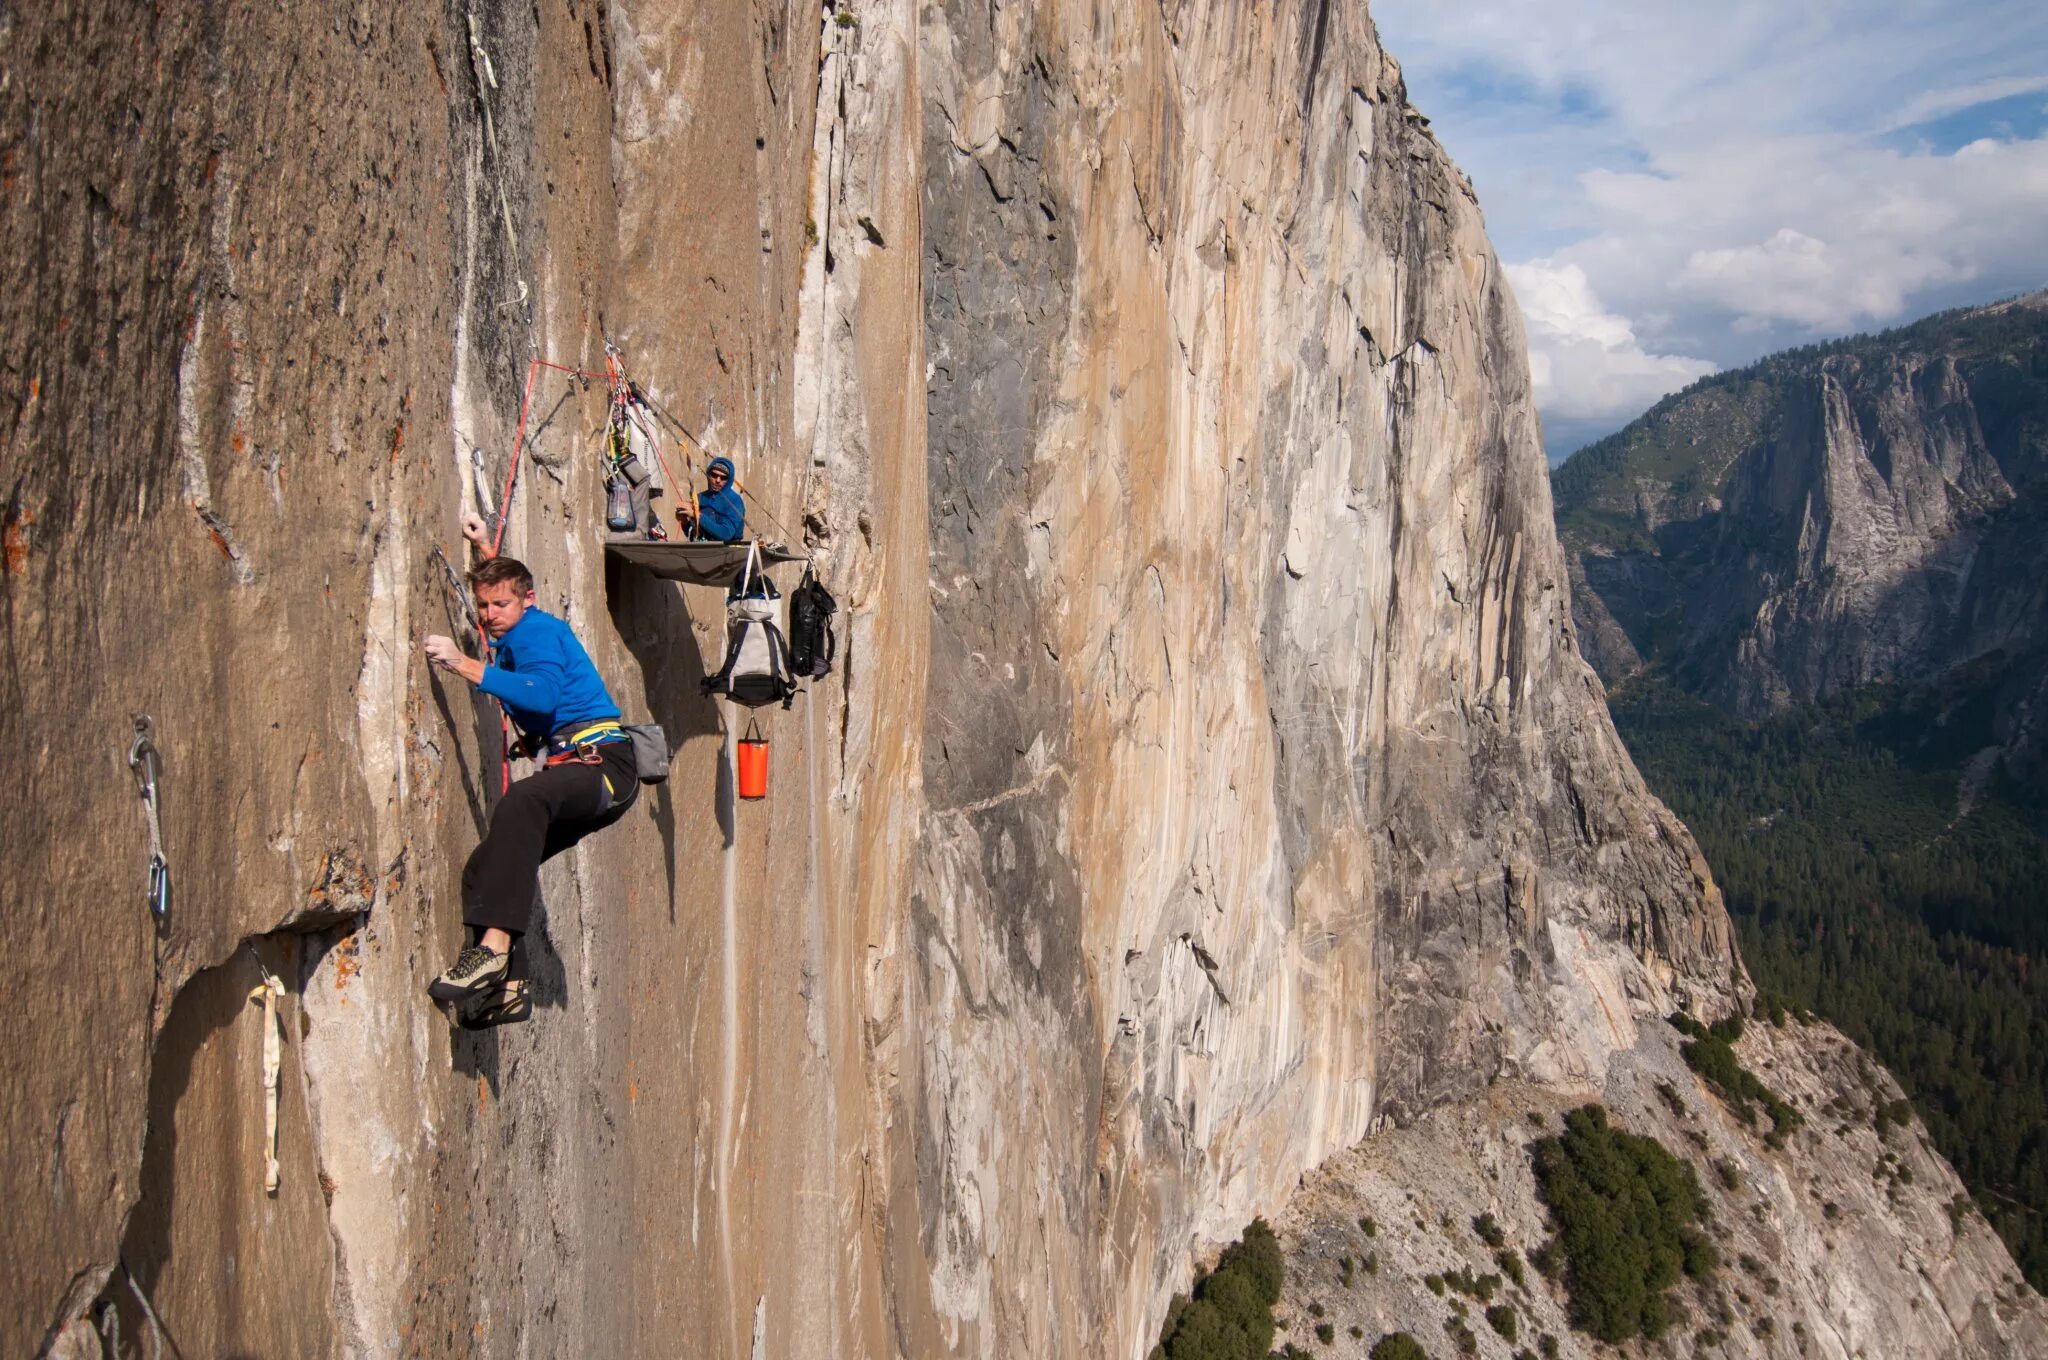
(546, 682)
(720, 516)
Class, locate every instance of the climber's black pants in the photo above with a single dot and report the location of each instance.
(539, 817)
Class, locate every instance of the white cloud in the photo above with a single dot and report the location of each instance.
(1819, 235)
(1934, 104)
(1585, 361)
(1733, 178)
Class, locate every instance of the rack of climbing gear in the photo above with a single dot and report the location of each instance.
(147, 766)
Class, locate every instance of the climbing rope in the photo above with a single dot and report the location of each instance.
(486, 77)
(519, 448)
(458, 591)
(624, 386)
(147, 766)
(156, 1326)
(519, 443)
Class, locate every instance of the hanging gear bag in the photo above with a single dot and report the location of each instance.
(811, 643)
(756, 671)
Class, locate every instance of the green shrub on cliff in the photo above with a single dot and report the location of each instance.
(1398, 1346)
(1710, 1053)
(1230, 1316)
(1623, 1209)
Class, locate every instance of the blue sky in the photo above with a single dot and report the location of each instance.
(1680, 188)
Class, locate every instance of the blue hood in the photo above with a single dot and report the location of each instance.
(722, 463)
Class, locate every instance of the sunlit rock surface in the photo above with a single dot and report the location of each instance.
(1209, 777)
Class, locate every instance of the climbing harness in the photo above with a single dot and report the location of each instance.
(580, 748)
(267, 992)
(147, 766)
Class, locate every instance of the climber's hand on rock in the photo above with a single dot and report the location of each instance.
(443, 652)
(474, 530)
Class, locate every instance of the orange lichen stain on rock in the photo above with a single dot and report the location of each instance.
(348, 961)
(238, 441)
(14, 539)
(220, 541)
(483, 1092)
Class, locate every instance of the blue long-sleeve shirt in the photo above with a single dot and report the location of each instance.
(721, 514)
(544, 677)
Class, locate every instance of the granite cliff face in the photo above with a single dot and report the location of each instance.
(1209, 778)
(1863, 512)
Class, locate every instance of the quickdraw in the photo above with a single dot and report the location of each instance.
(147, 766)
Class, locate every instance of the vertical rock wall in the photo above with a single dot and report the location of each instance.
(1267, 795)
(1206, 775)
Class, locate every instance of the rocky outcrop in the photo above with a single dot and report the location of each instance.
(1209, 777)
(1866, 512)
(1854, 1238)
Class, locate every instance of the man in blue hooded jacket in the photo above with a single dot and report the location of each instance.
(720, 516)
(554, 695)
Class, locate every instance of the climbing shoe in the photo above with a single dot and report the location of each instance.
(509, 1005)
(475, 970)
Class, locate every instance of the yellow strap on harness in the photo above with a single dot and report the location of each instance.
(590, 732)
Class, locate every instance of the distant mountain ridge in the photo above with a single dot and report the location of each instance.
(1818, 590)
(1873, 510)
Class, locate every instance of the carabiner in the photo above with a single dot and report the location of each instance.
(159, 889)
(142, 757)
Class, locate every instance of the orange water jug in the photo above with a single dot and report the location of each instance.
(752, 760)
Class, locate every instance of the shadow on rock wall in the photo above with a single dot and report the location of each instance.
(229, 1269)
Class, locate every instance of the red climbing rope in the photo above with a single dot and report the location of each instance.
(519, 441)
(505, 518)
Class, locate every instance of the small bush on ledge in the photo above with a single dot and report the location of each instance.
(1230, 1316)
(1712, 1055)
(1398, 1346)
(1624, 1211)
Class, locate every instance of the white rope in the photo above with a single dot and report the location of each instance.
(486, 80)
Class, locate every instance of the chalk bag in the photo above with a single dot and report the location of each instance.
(752, 760)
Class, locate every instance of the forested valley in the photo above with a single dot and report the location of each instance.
(1880, 878)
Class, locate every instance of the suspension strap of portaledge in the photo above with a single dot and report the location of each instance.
(746, 571)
